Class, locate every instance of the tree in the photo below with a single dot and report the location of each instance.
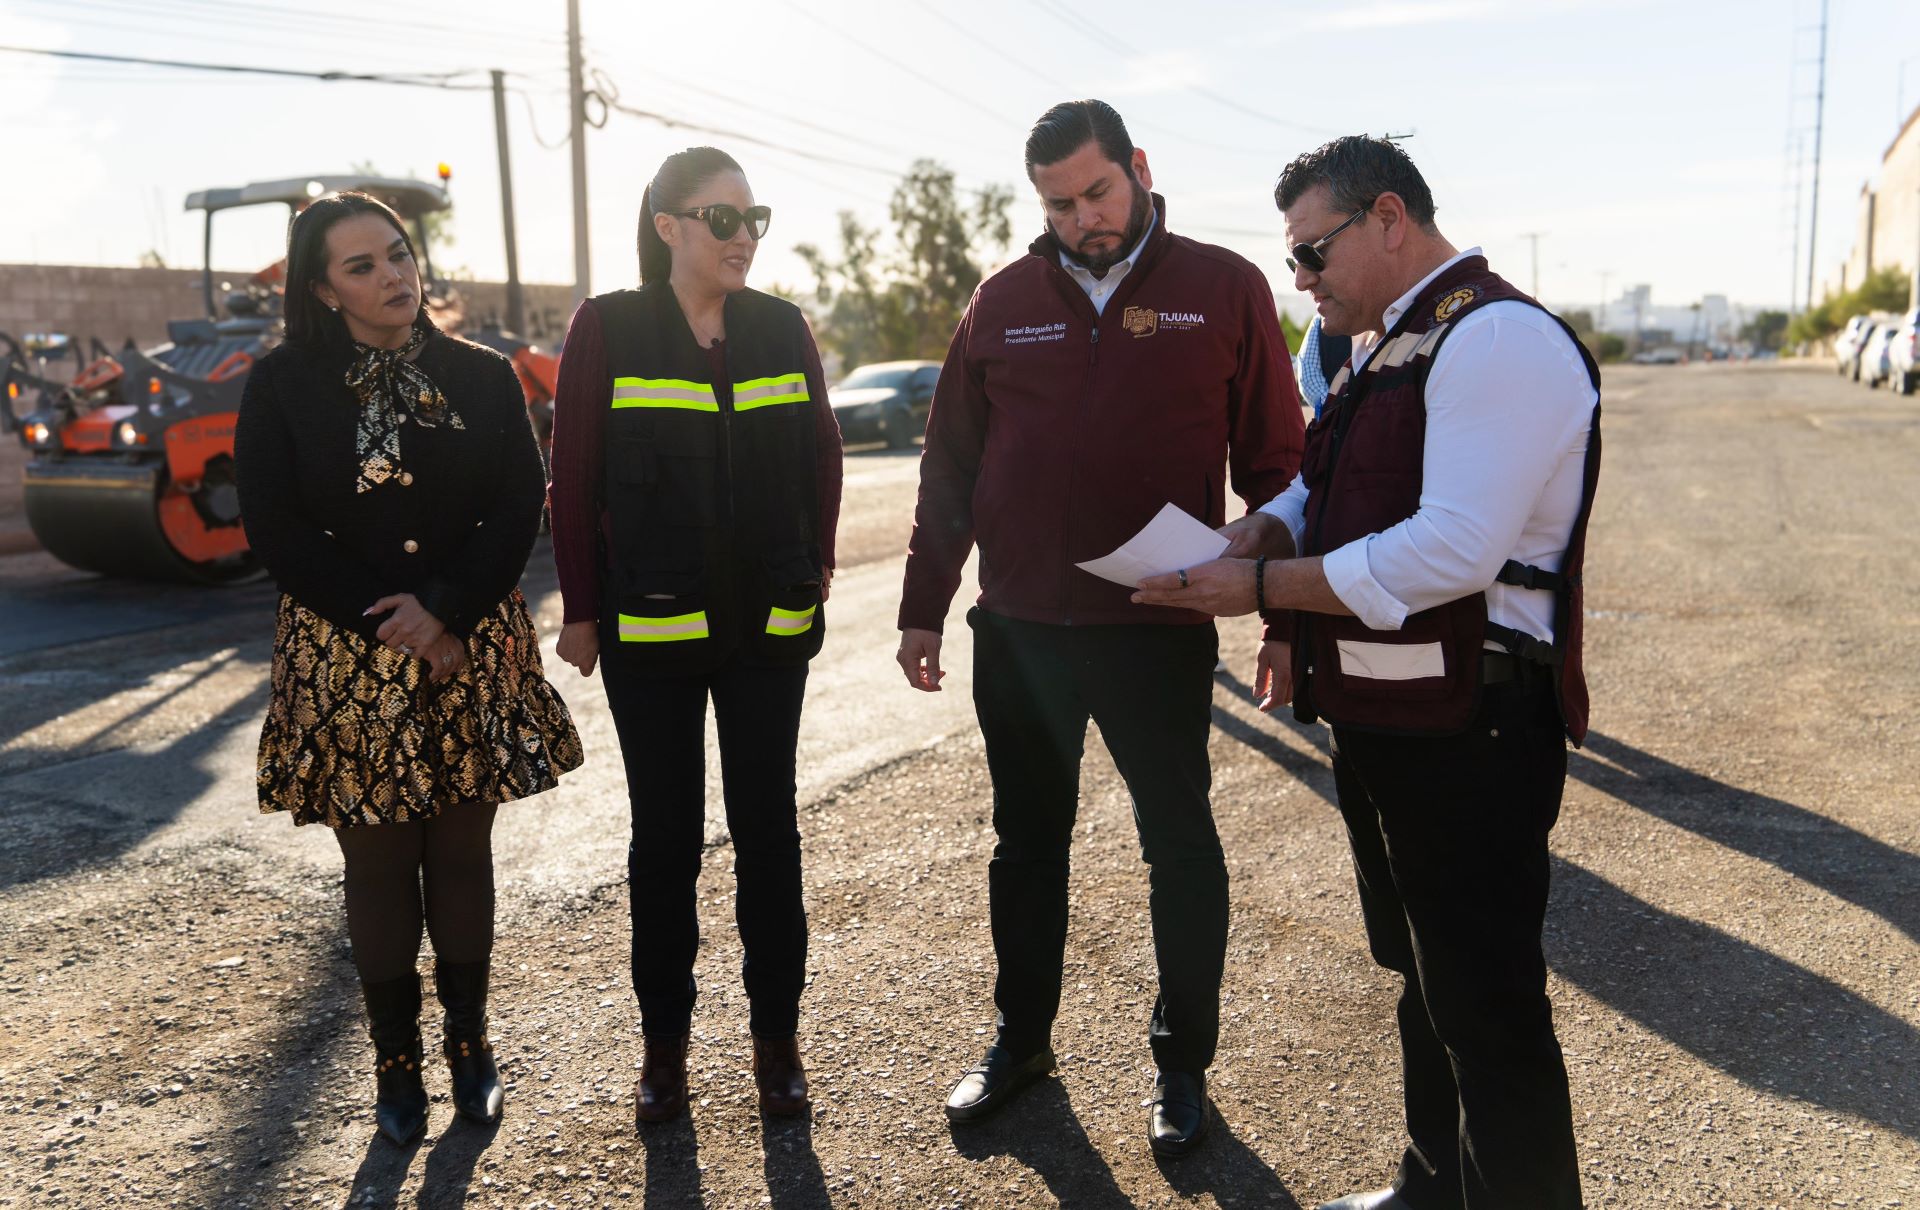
(1293, 332)
(905, 302)
(1766, 330)
(1883, 290)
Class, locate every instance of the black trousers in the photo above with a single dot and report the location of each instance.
(1449, 842)
(661, 720)
(1150, 688)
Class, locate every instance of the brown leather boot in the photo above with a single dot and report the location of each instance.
(782, 1081)
(661, 1094)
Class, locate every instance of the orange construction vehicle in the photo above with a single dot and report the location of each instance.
(132, 468)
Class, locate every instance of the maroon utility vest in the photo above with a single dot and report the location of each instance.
(1363, 475)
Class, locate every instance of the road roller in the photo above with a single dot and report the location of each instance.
(131, 468)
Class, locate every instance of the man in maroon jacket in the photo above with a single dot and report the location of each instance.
(1116, 369)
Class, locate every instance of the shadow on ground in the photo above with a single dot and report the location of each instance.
(1845, 863)
(1768, 1022)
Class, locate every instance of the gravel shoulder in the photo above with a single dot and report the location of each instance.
(1734, 936)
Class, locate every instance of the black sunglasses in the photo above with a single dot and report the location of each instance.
(1307, 256)
(723, 220)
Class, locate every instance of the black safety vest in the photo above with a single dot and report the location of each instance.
(710, 487)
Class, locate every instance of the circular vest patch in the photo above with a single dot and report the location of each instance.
(1453, 302)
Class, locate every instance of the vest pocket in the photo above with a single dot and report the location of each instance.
(785, 620)
(664, 611)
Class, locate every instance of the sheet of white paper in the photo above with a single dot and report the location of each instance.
(1172, 540)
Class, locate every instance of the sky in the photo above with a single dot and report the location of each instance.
(1643, 141)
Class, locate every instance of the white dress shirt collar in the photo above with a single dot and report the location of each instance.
(1099, 289)
(1399, 306)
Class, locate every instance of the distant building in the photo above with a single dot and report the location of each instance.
(1887, 228)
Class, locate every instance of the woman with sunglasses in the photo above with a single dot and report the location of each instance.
(390, 483)
(696, 486)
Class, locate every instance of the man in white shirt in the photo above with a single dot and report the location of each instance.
(1428, 561)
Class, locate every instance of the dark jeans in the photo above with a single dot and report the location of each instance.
(1449, 842)
(662, 724)
(1150, 689)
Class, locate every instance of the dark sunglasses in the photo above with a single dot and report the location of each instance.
(1307, 256)
(723, 220)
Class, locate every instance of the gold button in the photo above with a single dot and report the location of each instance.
(410, 546)
(406, 478)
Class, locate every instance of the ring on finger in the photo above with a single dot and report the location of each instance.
(1183, 577)
(405, 650)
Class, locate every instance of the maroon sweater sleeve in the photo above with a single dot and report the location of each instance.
(827, 449)
(579, 429)
(1266, 432)
(943, 518)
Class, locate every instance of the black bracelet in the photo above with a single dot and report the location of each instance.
(1260, 583)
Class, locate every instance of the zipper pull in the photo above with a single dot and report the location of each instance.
(1093, 342)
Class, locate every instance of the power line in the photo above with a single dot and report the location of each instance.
(894, 62)
(345, 24)
(1065, 16)
(1047, 78)
(443, 81)
(634, 111)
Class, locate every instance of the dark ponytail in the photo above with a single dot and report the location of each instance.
(680, 176)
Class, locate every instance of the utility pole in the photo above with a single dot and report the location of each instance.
(577, 105)
(1793, 271)
(1533, 237)
(516, 307)
(1600, 323)
(1819, 119)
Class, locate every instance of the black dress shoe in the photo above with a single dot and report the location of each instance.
(1379, 1199)
(1180, 1115)
(993, 1081)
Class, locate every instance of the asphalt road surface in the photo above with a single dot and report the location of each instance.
(1734, 936)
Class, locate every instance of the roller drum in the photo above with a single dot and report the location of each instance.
(105, 517)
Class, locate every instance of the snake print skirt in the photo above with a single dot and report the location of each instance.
(355, 733)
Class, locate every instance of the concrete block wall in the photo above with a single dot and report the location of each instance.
(118, 304)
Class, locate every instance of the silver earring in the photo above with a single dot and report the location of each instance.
(335, 310)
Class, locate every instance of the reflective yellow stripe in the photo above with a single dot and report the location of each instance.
(766, 392)
(664, 393)
(791, 621)
(663, 630)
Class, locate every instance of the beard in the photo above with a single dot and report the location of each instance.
(1138, 215)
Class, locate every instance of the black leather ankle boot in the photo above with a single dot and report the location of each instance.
(462, 987)
(393, 1019)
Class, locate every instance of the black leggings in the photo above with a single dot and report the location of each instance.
(388, 865)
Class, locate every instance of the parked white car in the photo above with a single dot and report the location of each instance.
(1847, 346)
(1903, 354)
(1876, 363)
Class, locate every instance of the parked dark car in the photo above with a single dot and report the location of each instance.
(886, 401)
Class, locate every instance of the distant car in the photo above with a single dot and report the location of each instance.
(1657, 357)
(1903, 354)
(886, 401)
(1876, 362)
(1847, 346)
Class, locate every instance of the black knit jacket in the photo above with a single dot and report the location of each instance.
(470, 511)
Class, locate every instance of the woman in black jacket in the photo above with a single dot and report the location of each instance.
(390, 483)
(696, 484)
